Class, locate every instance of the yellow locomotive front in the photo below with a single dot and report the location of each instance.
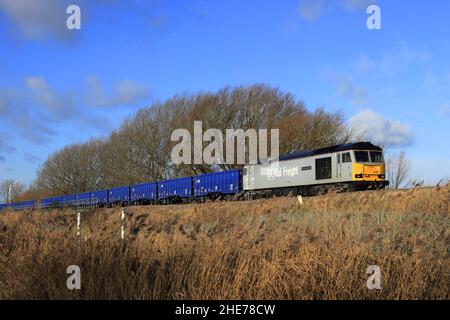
(369, 169)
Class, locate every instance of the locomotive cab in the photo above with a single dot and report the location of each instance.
(369, 168)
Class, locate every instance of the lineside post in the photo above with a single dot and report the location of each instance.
(300, 200)
(78, 224)
(122, 229)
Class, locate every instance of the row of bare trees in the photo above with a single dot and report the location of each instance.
(141, 149)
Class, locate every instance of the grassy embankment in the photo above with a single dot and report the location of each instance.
(266, 249)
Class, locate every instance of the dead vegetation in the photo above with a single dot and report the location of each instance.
(267, 249)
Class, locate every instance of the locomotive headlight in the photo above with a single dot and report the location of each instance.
(358, 176)
(381, 176)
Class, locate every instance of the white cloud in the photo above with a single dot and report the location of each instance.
(125, 92)
(348, 89)
(36, 19)
(381, 130)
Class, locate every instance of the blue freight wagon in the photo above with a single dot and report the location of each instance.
(119, 195)
(14, 205)
(51, 202)
(144, 192)
(22, 205)
(69, 200)
(218, 183)
(100, 198)
(84, 198)
(180, 188)
(3, 206)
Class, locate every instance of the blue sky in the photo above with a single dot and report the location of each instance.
(59, 86)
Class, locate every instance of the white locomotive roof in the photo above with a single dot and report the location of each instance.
(338, 148)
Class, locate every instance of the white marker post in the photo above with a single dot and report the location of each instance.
(122, 229)
(78, 224)
(300, 200)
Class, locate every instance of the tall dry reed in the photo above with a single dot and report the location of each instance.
(267, 249)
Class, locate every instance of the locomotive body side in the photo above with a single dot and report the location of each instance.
(348, 167)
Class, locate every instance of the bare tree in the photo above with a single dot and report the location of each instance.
(10, 190)
(73, 169)
(397, 169)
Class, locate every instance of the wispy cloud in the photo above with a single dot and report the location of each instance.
(26, 122)
(437, 80)
(60, 106)
(312, 10)
(349, 84)
(5, 146)
(352, 5)
(35, 111)
(445, 109)
(370, 125)
(347, 88)
(365, 64)
(125, 92)
(37, 19)
(31, 158)
(393, 61)
(34, 128)
(158, 21)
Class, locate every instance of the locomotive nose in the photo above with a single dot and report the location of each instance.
(371, 170)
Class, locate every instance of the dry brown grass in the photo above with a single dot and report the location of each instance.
(267, 249)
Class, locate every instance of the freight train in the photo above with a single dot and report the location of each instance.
(342, 168)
